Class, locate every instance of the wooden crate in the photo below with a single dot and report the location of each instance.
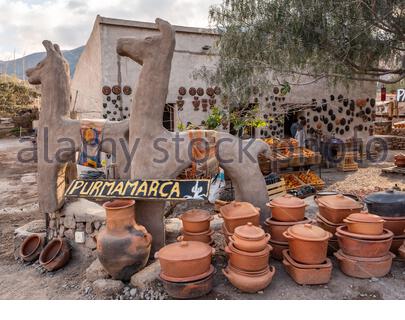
(317, 186)
(277, 189)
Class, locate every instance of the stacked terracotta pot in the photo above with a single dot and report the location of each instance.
(249, 252)
(237, 214)
(333, 209)
(196, 226)
(364, 246)
(306, 258)
(286, 211)
(186, 269)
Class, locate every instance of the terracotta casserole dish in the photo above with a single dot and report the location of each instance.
(287, 208)
(236, 214)
(249, 238)
(335, 208)
(185, 261)
(308, 244)
(277, 228)
(248, 261)
(365, 223)
(196, 220)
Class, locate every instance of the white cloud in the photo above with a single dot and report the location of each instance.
(25, 23)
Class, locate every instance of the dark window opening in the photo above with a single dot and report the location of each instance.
(168, 116)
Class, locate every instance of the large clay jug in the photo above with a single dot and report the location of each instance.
(123, 247)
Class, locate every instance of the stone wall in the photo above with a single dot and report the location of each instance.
(395, 142)
(79, 221)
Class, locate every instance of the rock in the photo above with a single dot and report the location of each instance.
(89, 228)
(97, 225)
(96, 271)
(84, 211)
(133, 292)
(61, 230)
(70, 222)
(147, 275)
(70, 234)
(80, 226)
(107, 287)
(90, 243)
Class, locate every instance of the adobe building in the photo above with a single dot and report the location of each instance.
(103, 86)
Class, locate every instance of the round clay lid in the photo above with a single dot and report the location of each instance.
(196, 215)
(308, 232)
(249, 232)
(364, 216)
(288, 201)
(185, 251)
(236, 209)
(339, 201)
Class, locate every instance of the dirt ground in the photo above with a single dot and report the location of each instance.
(18, 205)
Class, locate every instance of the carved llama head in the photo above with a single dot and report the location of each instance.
(151, 48)
(53, 63)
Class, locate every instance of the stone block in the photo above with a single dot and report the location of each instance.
(89, 227)
(147, 275)
(90, 243)
(84, 211)
(96, 271)
(80, 226)
(70, 222)
(70, 234)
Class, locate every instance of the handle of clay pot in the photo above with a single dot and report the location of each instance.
(211, 218)
(156, 255)
(180, 238)
(220, 215)
(213, 251)
(227, 250)
(287, 235)
(267, 236)
(258, 209)
(269, 205)
(337, 255)
(231, 239)
(227, 274)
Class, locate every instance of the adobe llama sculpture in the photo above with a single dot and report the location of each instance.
(146, 130)
(58, 135)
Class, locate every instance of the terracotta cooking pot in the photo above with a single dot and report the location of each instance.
(278, 247)
(401, 251)
(362, 247)
(248, 261)
(326, 224)
(205, 237)
(364, 267)
(395, 224)
(186, 260)
(344, 231)
(196, 220)
(396, 243)
(226, 233)
(365, 223)
(307, 274)
(277, 228)
(308, 244)
(287, 208)
(55, 255)
(335, 208)
(250, 282)
(31, 247)
(237, 214)
(249, 238)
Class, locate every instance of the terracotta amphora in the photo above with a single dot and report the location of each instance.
(123, 247)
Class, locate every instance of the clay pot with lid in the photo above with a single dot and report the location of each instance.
(248, 261)
(196, 220)
(237, 214)
(123, 247)
(185, 261)
(287, 208)
(278, 247)
(396, 225)
(386, 234)
(364, 268)
(31, 247)
(389, 203)
(277, 228)
(308, 244)
(365, 223)
(250, 282)
(335, 208)
(249, 238)
(326, 224)
(205, 236)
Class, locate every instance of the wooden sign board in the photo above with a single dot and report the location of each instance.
(139, 189)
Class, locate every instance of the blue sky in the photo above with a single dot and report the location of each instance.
(25, 23)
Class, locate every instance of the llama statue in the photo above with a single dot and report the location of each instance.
(59, 136)
(146, 131)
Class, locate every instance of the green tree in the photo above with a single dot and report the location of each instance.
(343, 40)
